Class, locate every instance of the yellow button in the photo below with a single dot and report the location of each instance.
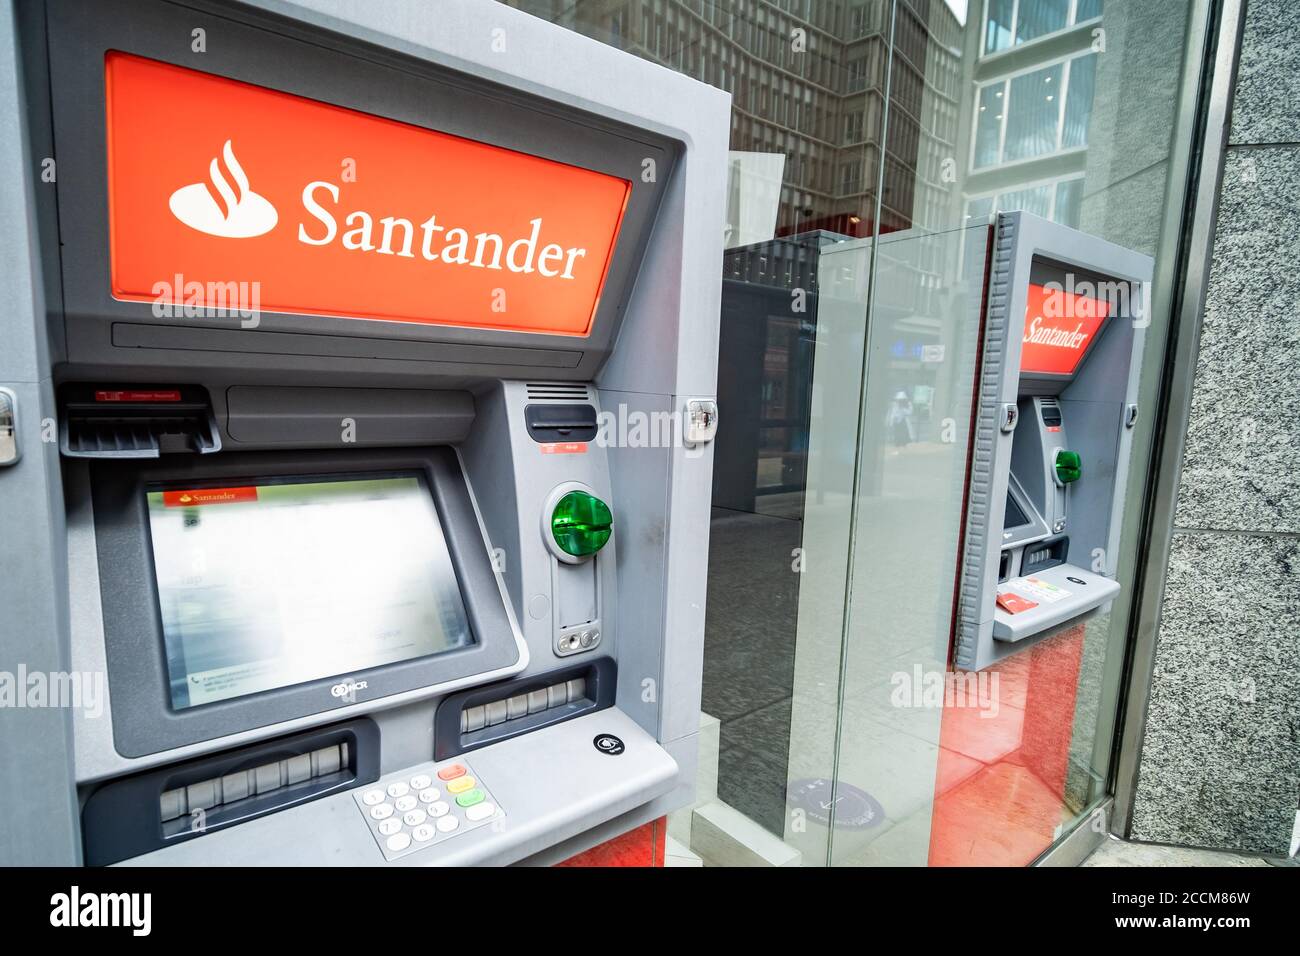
(461, 784)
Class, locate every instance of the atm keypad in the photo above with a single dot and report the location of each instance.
(424, 806)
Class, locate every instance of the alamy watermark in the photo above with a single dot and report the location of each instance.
(935, 689)
(24, 689)
(635, 428)
(179, 298)
(1078, 298)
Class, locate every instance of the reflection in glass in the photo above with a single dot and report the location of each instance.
(1036, 18)
(1033, 114)
(862, 171)
(1078, 101)
(1001, 18)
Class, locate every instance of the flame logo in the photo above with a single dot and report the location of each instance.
(219, 208)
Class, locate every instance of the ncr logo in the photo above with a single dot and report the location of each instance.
(225, 205)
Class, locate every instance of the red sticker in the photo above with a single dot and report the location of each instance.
(565, 448)
(1014, 603)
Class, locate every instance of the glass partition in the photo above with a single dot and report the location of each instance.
(872, 141)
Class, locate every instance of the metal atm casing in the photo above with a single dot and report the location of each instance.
(1101, 391)
(655, 348)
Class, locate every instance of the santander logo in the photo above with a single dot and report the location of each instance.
(356, 215)
(1059, 328)
(224, 205)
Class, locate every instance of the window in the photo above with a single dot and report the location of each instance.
(988, 125)
(1057, 200)
(1038, 18)
(998, 25)
(1078, 101)
(1034, 114)
(850, 178)
(857, 70)
(1009, 23)
(853, 127)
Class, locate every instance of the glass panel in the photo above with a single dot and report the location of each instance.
(1087, 9)
(848, 339)
(988, 125)
(1037, 18)
(1034, 114)
(1078, 101)
(997, 32)
(979, 208)
(993, 767)
(1069, 197)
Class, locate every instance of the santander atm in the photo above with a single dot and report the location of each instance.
(1057, 400)
(330, 303)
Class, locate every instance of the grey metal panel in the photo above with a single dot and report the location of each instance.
(280, 56)
(516, 476)
(331, 417)
(485, 359)
(643, 475)
(37, 801)
(986, 492)
(553, 784)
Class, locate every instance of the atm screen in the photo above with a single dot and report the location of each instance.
(263, 586)
(1015, 516)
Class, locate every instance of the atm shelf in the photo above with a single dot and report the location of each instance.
(556, 783)
(1037, 602)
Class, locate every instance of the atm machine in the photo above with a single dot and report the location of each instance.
(323, 323)
(1057, 400)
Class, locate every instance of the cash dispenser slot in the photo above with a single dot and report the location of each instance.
(137, 814)
(486, 715)
(1040, 557)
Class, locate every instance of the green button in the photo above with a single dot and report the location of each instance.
(581, 524)
(1068, 466)
(471, 797)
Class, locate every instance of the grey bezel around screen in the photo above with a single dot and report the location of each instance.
(144, 721)
(104, 331)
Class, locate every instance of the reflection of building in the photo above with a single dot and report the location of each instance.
(1031, 73)
(808, 83)
(769, 321)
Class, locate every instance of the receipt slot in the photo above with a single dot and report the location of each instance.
(1064, 325)
(337, 529)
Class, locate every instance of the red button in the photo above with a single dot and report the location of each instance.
(452, 772)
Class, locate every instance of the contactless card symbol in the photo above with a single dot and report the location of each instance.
(608, 744)
(221, 209)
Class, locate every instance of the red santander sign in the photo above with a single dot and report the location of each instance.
(1059, 327)
(337, 212)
